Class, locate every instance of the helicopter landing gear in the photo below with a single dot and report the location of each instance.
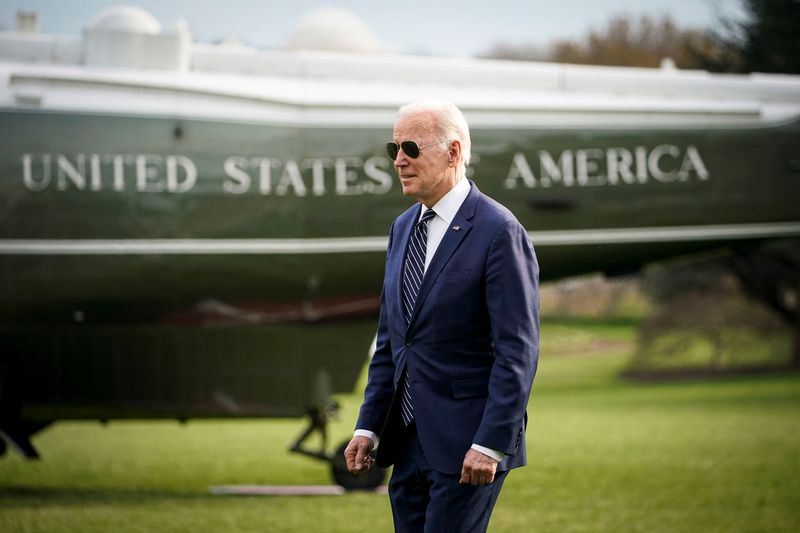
(318, 423)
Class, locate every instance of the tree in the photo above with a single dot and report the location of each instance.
(765, 41)
(624, 41)
(771, 274)
(708, 297)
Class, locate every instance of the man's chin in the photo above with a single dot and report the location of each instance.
(409, 191)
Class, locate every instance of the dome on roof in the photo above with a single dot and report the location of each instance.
(127, 19)
(331, 28)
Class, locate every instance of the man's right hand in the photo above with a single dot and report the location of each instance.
(357, 455)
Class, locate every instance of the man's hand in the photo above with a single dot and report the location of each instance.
(478, 469)
(357, 455)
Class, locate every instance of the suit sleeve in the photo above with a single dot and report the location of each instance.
(512, 299)
(380, 381)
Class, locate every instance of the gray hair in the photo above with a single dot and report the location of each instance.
(450, 123)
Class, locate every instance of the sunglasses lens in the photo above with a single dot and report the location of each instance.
(411, 149)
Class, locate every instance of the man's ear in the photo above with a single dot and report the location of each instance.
(454, 152)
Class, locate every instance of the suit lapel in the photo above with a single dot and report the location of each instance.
(450, 242)
(405, 234)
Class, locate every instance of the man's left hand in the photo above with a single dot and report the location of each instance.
(478, 469)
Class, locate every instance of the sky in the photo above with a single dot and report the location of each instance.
(408, 26)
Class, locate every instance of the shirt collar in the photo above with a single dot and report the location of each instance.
(447, 207)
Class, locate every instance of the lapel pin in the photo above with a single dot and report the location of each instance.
(456, 228)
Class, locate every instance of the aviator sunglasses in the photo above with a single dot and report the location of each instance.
(410, 148)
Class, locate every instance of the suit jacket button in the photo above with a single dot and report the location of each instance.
(409, 343)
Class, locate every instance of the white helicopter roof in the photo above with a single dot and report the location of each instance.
(126, 63)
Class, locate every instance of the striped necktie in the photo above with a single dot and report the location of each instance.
(412, 280)
(415, 263)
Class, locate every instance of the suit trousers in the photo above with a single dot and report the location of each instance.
(427, 501)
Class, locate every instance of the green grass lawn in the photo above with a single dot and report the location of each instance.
(604, 455)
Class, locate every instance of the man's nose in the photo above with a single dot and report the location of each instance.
(402, 159)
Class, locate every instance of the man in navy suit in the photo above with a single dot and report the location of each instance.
(458, 336)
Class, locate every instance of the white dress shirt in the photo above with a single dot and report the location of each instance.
(445, 209)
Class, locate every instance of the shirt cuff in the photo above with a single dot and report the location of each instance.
(494, 454)
(370, 435)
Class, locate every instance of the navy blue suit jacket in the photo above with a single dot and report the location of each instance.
(472, 345)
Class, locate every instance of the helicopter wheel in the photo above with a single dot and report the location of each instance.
(366, 481)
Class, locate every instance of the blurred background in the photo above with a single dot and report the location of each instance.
(194, 207)
(439, 29)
